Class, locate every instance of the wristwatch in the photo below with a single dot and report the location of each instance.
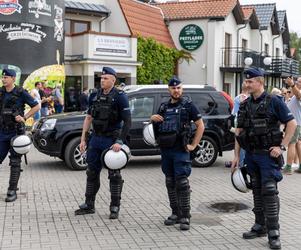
(282, 147)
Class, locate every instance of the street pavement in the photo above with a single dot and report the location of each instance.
(43, 215)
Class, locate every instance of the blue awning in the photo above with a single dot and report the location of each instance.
(86, 8)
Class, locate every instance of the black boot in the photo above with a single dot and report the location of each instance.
(15, 171)
(11, 196)
(258, 229)
(271, 210)
(116, 184)
(86, 208)
(92, 187)
(173, 201)
(183, 193)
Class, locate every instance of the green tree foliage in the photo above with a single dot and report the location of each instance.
(295, 42)
(158, 61)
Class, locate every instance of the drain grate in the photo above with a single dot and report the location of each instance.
(228, 207)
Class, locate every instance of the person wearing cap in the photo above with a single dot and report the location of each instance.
(258, 133)
(110, 116)
(172, 125)
(12, 123)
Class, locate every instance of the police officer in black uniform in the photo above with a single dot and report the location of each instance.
(110, 116)
(258, 132)
(12, 123)
(172, 128)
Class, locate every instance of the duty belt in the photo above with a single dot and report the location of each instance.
(108, 133)
(259, 151)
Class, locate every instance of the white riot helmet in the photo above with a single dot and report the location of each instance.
(240, 180)
(21, 144)
(149, 135)
(127, 150)
(115, 160)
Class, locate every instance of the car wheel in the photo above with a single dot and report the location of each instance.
(205, 153)
(73, 157)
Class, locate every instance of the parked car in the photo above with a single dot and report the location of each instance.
(59, 135)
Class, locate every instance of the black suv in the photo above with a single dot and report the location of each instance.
(59, 135)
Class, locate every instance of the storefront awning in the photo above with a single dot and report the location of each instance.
(86, 8)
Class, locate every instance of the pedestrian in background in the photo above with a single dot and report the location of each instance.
(294, 106)
(58, 99)
(44, 100)
(83, 99)
(36, 95)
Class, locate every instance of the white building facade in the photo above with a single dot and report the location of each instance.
(96, 36)
(230, 36)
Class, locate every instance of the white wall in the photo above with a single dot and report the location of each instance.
(205, 69)
(116, 23)
(84, 45)
(192, 72)
(278, 43)
(267, 39)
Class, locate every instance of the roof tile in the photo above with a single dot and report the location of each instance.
(146, 20)
(197, 9)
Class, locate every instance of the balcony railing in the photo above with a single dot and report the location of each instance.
(285, 67)
(235, 58)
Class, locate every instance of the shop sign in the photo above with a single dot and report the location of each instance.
(9, 7)
(191, 37)
(39, 7)
(25, 31)
(112, 46)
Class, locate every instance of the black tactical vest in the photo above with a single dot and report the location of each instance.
(104, 111)
(261, 128)
(176, 121)
(9, 109)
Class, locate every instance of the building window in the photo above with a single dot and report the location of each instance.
(244, 44)
(277, 52)
(76, 26)
(227, 88)
(228, 44)
(266, 49)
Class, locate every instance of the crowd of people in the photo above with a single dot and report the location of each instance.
(52, 101)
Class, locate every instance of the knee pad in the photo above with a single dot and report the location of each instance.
(92, 174)
(114, 175)
(170, 182)
(269, 188)
(182, 183)
(15, 161)
(256, 182)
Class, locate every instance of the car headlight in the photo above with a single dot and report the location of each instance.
(48, 125)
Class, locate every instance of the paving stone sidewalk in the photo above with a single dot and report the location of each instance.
(43, 216)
